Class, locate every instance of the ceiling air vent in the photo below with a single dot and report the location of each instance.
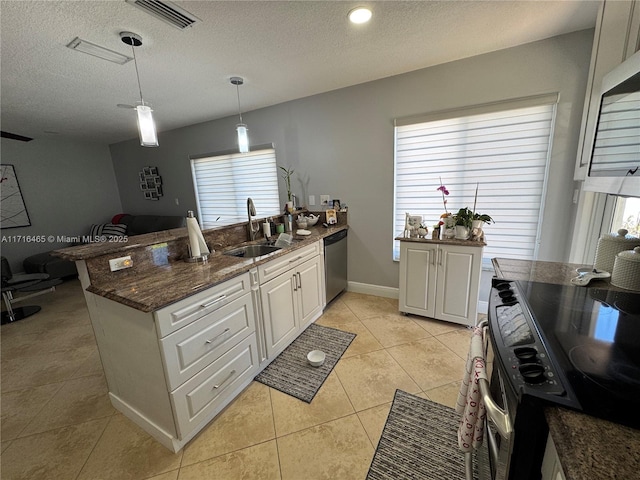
(167, 12)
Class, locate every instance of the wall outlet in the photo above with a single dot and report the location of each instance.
(120, 263)
(312, 199)
(324, 199)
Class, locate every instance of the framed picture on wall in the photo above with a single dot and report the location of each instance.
(13, 212)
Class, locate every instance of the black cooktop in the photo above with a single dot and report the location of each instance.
(593, 337)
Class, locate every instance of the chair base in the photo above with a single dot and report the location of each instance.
(19, 313)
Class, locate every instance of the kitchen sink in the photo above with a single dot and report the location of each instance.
(251, 251)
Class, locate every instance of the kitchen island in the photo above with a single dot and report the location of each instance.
(587, 447)
(178, 341)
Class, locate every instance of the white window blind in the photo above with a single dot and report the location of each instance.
(504, 153)
(616, 148)
(224, 182)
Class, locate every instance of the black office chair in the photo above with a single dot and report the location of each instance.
(32, 284)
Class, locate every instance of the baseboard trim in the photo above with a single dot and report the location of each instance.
(391, 292)
(377, 290)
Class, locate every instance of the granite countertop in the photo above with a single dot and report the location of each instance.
(444, 241)
(153, 287)
(588, 447)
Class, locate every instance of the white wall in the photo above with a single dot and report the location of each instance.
(66, 187)
(341, 143)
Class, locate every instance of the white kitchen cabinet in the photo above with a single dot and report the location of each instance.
(616, 38)
(440, 280)
(551, 467)
(174, 370)
(290, 302)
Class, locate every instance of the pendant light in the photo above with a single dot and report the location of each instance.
(241, 128)
(146, 125)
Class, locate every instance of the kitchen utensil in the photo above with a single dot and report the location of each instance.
(626, 270)
(584, 277)
(316, 358)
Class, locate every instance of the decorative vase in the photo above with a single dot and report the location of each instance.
(462, 232)
(477, 224)
(422, 232)
(290, 206)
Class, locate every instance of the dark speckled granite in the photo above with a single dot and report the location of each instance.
(593, 449)
(160, 276)
(589, 448)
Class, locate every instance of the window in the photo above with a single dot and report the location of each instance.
(626, 215)
(501, 149)
(224, 182)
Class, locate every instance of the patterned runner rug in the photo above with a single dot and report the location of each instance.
(419, 441)
(291, 373)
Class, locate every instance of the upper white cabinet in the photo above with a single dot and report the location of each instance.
(616, 38)
(440, 281)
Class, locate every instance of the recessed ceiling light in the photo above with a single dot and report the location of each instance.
(360, 15)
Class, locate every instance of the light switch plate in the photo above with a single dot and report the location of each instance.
(312, 200)
(120, 263)
(324, 199)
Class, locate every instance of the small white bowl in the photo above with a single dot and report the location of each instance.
(316, 358)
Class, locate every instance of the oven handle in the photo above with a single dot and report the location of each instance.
(499, 417)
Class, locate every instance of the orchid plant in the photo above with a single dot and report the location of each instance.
(444, 192)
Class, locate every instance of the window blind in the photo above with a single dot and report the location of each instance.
(616, 148)
(224, 182)
(503, 153)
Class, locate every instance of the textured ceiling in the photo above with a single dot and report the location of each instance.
(284, 50)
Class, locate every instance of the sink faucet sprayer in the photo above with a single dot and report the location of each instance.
(251, 210)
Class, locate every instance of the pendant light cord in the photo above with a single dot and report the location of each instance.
(238, 93)
(135, 63)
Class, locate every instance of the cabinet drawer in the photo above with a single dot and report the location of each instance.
(173, 317)
(280, 265)
(195, 346)
(200, 397)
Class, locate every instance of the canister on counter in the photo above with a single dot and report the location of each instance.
(611, 245)
(626, 270)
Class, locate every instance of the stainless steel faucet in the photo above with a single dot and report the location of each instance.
(251, 211)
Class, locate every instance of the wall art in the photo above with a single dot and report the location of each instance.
(150, 183)
(13, 212)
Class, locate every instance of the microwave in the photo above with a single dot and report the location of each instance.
(614, 166)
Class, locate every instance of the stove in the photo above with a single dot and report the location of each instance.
(573, 346)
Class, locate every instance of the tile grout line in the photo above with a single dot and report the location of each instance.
(275, 431)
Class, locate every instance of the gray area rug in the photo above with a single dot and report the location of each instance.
(419, 441)
(291, 373)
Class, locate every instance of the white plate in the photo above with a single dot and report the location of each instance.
(303, 232)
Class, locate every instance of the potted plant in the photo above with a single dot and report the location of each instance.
(463, 220)
(286, 175)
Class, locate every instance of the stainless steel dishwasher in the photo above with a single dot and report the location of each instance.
(335, 264)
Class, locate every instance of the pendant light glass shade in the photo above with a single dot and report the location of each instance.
(243, 138)
(241, 128)
(146, 126)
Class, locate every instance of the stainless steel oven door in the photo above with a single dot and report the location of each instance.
(500, 406)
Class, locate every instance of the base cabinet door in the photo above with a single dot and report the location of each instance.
(309, 289)
(440, 281)
(279, 305)
(458, 284)
(417, 278)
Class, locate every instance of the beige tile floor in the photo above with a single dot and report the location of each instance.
(57, 421)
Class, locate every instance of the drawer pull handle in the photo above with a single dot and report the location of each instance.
(217, 336)
(231, 374)
(213, 302)
(295, 259)
(299, 280)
